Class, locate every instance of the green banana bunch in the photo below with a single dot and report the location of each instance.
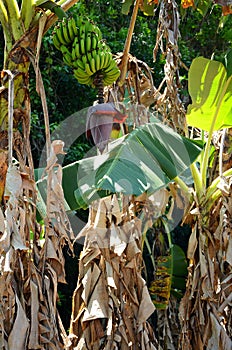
(65, 32)
(83, 49)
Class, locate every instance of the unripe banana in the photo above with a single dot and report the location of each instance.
(77, 50)
(72, 23)
(84, 59)
(78, 64)
(70, 28)
(107, 58)
(97, 61)
(59, 34)
(88, 69)
(67, 59)
(109, 80)
(82, 78)
(113, 74)
(89, 56)
(64, 27)
(87, 81)
(80, 73)
(82, 30)
(88, 42)
(82, 45)
(97, 31)
(94, 53)
(56, 41)
(112, 64)
(94, 41)
(93, 65)
(64, 49)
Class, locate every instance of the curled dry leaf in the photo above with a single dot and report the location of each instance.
(111, 303)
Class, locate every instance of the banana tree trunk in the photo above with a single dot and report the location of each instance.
(31, 263)
(205, 311)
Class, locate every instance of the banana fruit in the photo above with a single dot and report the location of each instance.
(83, 49)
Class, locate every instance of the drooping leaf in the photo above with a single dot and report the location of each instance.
(211, 95)
(144, 161)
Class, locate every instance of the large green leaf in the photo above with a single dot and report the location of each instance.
(144, 161)
(211, 95)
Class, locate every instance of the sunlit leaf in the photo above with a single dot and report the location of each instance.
(211, 95)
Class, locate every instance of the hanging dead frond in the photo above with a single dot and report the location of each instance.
(31, 263)
(205, 311)
(169, 104)
(111, 303)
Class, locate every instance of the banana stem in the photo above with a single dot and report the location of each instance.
(4, 20)
(128, 42)
(27, 12)
(183, 186)
(199, 188)
(14, 19)
(210, 134)
(3, 15)
(98, 82)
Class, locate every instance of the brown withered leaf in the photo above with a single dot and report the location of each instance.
(111, 303)
(19, 333)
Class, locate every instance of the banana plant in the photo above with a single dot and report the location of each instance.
(29, 282)
(23, 27)
(210, 87)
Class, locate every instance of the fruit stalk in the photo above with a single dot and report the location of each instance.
(98, 82)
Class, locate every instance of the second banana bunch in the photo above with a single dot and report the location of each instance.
(83, 49)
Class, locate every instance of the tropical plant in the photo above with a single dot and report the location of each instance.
(210, 87)
(111, 303)
(32, 261)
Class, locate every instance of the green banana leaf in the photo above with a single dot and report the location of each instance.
(144, 161)
(211, 94)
